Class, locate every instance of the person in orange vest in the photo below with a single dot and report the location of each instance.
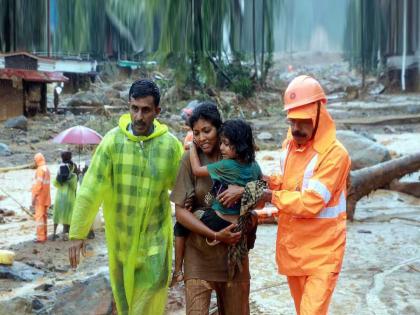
(41, 198)
(310, 195)
(186, 114)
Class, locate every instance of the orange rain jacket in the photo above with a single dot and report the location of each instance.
(41, 185)
(310, 193)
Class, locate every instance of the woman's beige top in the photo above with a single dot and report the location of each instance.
(201, 261)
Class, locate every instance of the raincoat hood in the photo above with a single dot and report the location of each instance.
(131, 180)
(159, 130)
(39, 159)
(325, 134)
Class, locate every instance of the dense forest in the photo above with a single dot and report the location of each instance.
(213, 40)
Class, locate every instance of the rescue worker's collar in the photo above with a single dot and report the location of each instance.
(325, 134)
(301, 148)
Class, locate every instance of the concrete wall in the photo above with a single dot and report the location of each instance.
(11, 100)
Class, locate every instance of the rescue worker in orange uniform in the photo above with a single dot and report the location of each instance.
(41, 198)
(310, 195)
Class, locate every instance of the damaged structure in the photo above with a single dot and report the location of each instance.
(23, 84)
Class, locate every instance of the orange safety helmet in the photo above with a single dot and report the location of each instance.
(303, 90)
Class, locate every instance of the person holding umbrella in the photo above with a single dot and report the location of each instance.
(78, 135)
(66, 184)
(130, 173)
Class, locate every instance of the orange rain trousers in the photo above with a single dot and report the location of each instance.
(312, 294)
(41, 196)
(41, 222)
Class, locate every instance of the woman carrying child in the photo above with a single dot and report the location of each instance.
(206, 246)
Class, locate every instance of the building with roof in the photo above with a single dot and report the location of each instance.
(23, 84)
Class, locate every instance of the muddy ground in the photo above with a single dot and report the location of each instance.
(381, 272)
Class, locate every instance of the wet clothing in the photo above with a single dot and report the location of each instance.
(41, 216)
(312, 294)
(232, 297)
(41, 196)
(41, 185)
(231, 172)
(246, 225)
(224, 173)
(310, 193)
(131, 176)
(64, 199)
(201, 261)
(210, 218)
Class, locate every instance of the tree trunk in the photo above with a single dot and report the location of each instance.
(411, 188)
(254, 45)
(364, 181)
(15, 168)
(262, 43)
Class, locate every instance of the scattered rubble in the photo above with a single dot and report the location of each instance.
(4, 150)
(20, 272)
(363, 151)
(20, 122)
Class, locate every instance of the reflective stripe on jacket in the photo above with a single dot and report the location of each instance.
(41, 184)
(310, 193)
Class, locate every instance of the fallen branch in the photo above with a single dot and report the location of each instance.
(16, 168)
(411, 188)
(368, 179)
(24, 209)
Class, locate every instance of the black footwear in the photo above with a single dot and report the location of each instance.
(91, 235)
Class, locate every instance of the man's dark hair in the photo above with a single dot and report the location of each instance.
(208, 111)
(239, 134)
(143, 88)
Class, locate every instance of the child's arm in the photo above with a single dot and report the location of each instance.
(196, 167)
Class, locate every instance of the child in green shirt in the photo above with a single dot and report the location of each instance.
(238, 167)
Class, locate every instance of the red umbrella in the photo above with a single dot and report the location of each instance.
(79, 135)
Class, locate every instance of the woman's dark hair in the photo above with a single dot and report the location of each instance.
(207, 111)
(143, 88)
(239, 134)
(66, 156)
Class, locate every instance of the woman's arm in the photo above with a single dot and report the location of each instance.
(187, 219)
(197, 169)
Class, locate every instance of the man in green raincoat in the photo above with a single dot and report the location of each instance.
(130, 174)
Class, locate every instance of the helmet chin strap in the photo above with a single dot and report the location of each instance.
(318, 110)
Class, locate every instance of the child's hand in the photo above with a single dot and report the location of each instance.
(265, 178)
(231, 195)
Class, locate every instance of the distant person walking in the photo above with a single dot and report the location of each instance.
(41, 198)
(66, 184)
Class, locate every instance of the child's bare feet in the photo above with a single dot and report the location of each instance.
(176, 277)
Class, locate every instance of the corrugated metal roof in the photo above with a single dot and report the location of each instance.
(31, 75)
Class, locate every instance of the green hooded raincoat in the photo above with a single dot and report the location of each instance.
(131, 176)
(64, 200)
